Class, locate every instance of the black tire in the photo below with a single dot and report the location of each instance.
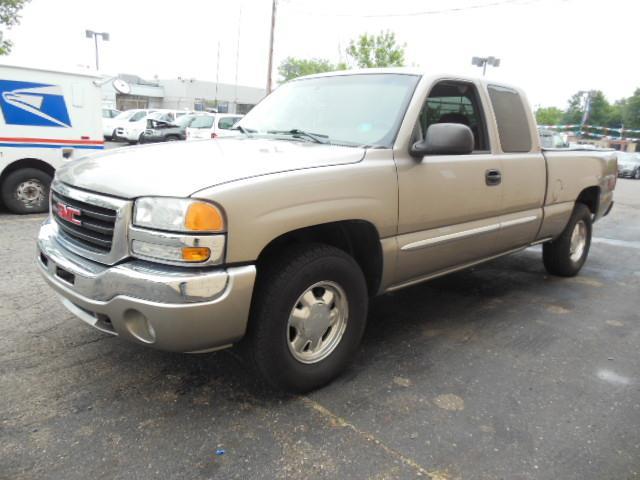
(557, 255)
(279, 286)
(172, 138)
(13, 188)
(637, 174)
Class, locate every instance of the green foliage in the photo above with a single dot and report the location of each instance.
(297, 67)
(574, 112)
(631, 112)
(549, 116)
(381, 50)
(9, 16)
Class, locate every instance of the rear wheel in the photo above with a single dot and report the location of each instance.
(307, 318)
(26, 191)
(566, 255)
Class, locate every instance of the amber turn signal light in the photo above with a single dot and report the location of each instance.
(195, 254)
(203, 217)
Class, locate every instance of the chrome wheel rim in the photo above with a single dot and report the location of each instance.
(31, 192)
(578, 241)
(317, 322)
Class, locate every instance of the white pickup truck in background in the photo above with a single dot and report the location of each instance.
(47, 118)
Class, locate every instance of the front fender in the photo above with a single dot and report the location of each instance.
(261, 209)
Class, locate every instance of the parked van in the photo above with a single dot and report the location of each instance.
(47, 118)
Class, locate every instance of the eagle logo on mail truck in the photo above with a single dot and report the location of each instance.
(33, 104)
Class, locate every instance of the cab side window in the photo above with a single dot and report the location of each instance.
(512, 119)
(456, 102)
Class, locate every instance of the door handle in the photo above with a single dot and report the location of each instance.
(493, 177)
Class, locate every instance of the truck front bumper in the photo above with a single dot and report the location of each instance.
(169, 308)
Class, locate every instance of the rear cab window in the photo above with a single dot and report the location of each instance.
(456, 102)
(512, 119)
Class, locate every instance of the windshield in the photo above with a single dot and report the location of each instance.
(185, 120)
(126, 114)
(354, 110)
(202, 122)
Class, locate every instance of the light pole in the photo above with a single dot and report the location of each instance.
(95, 35)
(483, 61)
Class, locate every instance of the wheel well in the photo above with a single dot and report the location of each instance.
(358, 238)
(27, 163)
(591, 198)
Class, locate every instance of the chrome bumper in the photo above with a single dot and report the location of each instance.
(169, 308)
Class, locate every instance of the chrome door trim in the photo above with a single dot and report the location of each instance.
(450, 237)
(519, 221)
(467, 233)
(446, 271)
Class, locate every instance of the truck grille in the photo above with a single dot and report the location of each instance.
(89, 225)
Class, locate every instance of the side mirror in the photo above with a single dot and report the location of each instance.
(445, 139)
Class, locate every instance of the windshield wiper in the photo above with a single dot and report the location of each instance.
(296, 132)
(243, 130)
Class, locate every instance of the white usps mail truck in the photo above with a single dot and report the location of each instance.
(47, 118)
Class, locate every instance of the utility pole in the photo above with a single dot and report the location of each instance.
(217, 75)
(95, 35)
(235, 101)
(274, 7)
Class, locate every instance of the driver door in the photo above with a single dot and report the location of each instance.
(449, 205)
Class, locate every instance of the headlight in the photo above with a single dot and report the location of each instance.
(177, 215)
(199, 239)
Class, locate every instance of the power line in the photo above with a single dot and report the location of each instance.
(415, 14)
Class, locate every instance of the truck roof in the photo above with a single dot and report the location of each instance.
(78, 72)
(408, 71)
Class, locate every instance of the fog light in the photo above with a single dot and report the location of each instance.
(138, 326)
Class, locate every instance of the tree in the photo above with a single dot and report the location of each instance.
(297, 67)
(9, 16)
(598, 109)
(549, 116)
(573, 114)
(381, 50)
(631, 113)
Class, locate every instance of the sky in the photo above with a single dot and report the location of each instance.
(551, 48)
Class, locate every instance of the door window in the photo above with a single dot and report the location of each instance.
(456, 102)
(226, 123)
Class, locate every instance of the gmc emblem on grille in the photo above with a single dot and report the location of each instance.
(68, 213)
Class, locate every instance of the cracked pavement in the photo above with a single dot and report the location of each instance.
(496, 372)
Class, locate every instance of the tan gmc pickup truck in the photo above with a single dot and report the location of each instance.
(337, 187)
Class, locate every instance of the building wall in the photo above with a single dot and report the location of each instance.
(187, 93)
(180, 94)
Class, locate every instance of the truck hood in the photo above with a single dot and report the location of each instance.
(179, 169)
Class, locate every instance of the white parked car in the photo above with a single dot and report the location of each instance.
(108, 115)
(212, 126)
(127, 120)
(132, 129)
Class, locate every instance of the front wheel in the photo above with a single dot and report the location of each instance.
(566, 255)
(26, 191)
(307, 317)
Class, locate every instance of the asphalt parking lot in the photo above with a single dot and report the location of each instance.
(497, 372)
